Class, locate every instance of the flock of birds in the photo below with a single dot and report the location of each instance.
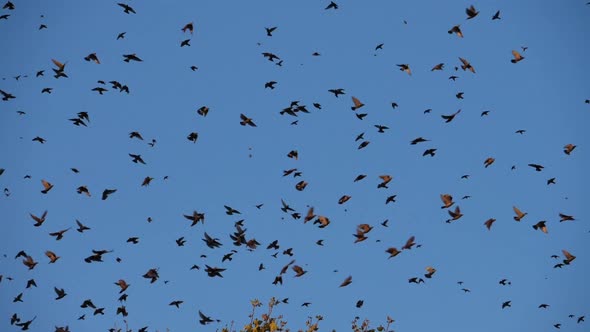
(240, 239)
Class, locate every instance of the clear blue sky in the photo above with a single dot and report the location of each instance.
(242, 166)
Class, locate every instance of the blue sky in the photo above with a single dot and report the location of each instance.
(242, 166)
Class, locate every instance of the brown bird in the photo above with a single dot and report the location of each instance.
(29, 262)
(195, 218)
(323, 221)
(466, 65)
(152, 274)
(47, 186)
(146, 181)
(541, 226)
(447, 201)
(52, 256)
(454, 214)
(568, 257)
(489, 223)
(189, 27)
(409, 243)
(301, 185)
(457, 30)
(246, 121)
(519, 214)
(357, 104)
(488, 162)
(123, 285)
(568, 149)
(471, 12)
(386, 179)
(430, 272)
(392, 252)
(517, 57)
(346, 281)
(39, 220)
(298, 270)
(438, 67)
(59, 234)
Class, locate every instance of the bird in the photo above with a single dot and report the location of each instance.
(270, 30)
(60, 292)
(449, 118)
(565, 217)
(471, 12)
(337, 92)
(136, 158)
(107, 192)
(39, 220)
(466, 65)
(456, 30)
(46, 186)
(537, 167)
(519, 214)
(185, 42)
(126, 8)
(439, 66)
(131, 57)
(188, 27)
(488, 162)
(270, 84)
(346, 282)
(516, 57)
(357, 104)
(121, 35)
(540, 226)
(568, 257)
(506, 304)
(429, 152)
(52, 256)
(455, 215)
(568, 148)
(332, 5)
(59, 234)
(92, 57)
(246, 121)
(496, 16)
(447, 201)
(488, 223)
(405, 68)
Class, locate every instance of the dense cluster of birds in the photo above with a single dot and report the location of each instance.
(239, 239)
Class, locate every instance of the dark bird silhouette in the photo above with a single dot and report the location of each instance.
(176, 303)
(185, 42)
(269, 31)
(337, 92)
(405, 67)
(466, 65)
(346, 282)
(270, 85)
(107, 192)
(567, 149)
(136, 158)
(152, 274)
(506, 304)
(59, 234)
(188, 27)
(61, 293)
(131, 57)
(449, 118)
(537, 167)
(496, 16)
(121, 35)
(430, 152)
(471, 12)
(92, 57)
(565, 217)
(332, 5)
(126, 8)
